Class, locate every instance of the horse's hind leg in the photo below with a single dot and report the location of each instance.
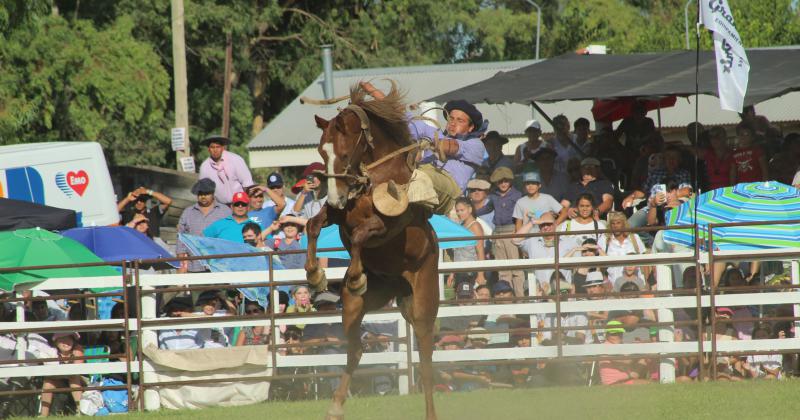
(353, 311)
(314, 274)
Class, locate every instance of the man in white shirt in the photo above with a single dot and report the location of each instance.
(542, 247)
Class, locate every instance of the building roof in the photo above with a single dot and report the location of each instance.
(294, 127)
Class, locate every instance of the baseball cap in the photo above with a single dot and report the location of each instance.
(241, 197)
(478, 184)
(532, 176)
(589, 161)
(724, 311)
(502, 287)
(615, 327)
(464, 290)
(532, 124)
(310, 169)
(501, 173)
(274, 180)
(593, 278)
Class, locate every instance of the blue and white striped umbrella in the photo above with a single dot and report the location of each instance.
(746, 202)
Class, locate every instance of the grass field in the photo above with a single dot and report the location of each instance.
(739, 401)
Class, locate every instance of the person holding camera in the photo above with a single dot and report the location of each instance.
(136, 203)
(311, 192)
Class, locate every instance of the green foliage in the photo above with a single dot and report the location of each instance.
(62, 81)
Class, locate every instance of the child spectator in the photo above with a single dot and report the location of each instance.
(534, 203)
(466, 216)
(619, 372)
(588, 248)
(749, 162)
(67, 347)
(503, 200)
(179, 339)
(765, 366)
(291, 227)
(302, 303)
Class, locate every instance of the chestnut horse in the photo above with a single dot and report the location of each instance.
(391, 257)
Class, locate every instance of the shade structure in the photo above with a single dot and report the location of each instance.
(35, 247)
(18, 214)
(747, 202)
(609, 110)
(773, 72)
(444, 228)
(200, 246)
(118, 243)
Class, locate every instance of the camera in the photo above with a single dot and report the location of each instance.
(310, 178)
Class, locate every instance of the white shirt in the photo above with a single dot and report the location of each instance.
(287, 210)
(574, 319)
(572, 225)
(535, 248)
(615, 248)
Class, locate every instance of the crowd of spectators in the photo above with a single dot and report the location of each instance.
(574, 182)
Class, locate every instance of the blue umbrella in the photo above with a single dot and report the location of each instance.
(745, 202)
(117, 243)
(200, 245)
(444, 228)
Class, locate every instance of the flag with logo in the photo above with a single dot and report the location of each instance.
(732, 65)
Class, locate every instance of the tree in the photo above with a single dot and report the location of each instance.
(62, 81)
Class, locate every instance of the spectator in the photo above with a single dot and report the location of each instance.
(197, 217)
(253, 335)
(629, 274)
(478, 193)
(42, 311)
(726, 365)
(749, 161)
(594, 287)
(636, 128)
(553, 182)
(311, 192)
(765, 366)
(230, 228)
(620, 371)
(563, 143)
(588, 248)
(503, 200)
(783, 166)
(568, 319)
(620, 242)
(585, 220)
(482, 293)
(541, 247)
(275, 187)
(66, 344)
(228, 170)
(290, 227)
(659, 203)
(465, 213)
(179, 339)
(213, 303)
(446, 380)
(251, 235)
(494, 143)
(600, 190)
(136, 203)
(302, 303)
(264, 216)
(326, 339)
(534, 203)
(719, 162)
(523, 156)
(141, 224)
(670, 172)
(581, 128)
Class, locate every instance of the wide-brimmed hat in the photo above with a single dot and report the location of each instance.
(593, 278)
(215, 138)
(501, 173)
(472, 112)
(494, 135)
(390, 199)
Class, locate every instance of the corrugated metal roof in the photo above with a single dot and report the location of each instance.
(294, 127)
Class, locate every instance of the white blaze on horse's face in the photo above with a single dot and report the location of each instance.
(335, 198)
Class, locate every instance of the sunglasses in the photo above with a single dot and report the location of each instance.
(257, 196)
(240, 204)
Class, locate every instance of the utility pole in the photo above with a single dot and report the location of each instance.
(226, 93)
(538, 23)
(179, 75)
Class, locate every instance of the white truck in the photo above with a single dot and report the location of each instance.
(68, 175)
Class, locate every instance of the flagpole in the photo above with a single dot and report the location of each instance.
(698, 273)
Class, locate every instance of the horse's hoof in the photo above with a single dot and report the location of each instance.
(335, 413)
(357, 286)
(317, 279)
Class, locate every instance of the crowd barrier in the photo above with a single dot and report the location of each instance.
(144, 377)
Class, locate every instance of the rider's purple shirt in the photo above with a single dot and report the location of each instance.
(461, 167)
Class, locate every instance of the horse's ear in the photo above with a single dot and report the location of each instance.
(322, 123)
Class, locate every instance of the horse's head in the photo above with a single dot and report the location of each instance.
(342, 147)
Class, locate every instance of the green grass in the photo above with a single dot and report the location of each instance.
(738, 401)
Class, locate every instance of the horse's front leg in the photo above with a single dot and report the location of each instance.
(314, 274)
(355, 279)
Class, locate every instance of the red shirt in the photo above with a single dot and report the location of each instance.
(748, 166)
(719, 170)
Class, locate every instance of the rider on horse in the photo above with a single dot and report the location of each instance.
(458, 154)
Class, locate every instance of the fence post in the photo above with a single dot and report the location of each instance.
(402, 365)
(148, 310)
(795, 282)
(666, 370)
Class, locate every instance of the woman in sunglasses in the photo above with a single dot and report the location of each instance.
(254, 335)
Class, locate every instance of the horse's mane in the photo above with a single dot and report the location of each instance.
(389, 112)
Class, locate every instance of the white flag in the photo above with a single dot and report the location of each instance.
(732, 65)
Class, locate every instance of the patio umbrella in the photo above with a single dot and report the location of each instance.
(616, 109)
(746, 202)
(18, 214)
(32, 247)
(444, 228)
(116, 243)
(200, 245)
